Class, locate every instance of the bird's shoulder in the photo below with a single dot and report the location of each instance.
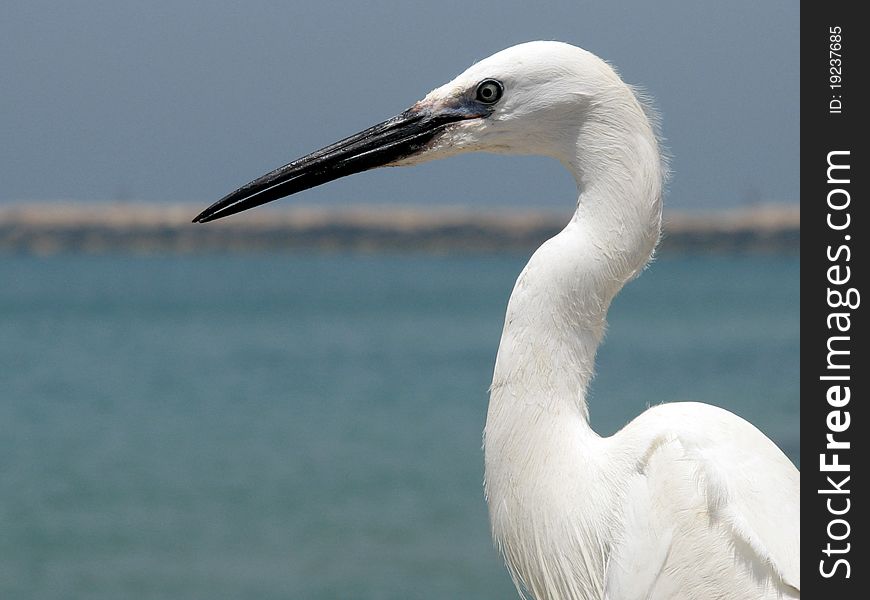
(703, 480)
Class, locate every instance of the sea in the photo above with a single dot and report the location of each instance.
(265, 426)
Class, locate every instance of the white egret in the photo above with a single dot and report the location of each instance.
(686, 501)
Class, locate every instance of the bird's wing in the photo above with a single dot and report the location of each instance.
(709, 488)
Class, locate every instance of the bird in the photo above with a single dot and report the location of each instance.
(687, 500)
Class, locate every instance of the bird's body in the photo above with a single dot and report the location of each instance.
(688, 500)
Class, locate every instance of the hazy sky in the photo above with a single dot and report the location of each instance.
(185, 101)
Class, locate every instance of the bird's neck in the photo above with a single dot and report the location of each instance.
(542, 457)
(556, 315)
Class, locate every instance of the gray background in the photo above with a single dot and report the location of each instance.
(168, 101)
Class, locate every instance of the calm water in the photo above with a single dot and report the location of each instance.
(310, 426)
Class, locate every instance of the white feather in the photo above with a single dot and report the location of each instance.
(688, 500)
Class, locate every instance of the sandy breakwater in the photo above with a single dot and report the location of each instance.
(48, 228)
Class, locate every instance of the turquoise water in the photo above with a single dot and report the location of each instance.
(309, 426)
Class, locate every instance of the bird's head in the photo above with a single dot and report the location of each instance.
(527, 99)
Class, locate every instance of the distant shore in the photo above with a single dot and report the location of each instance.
(52, 228)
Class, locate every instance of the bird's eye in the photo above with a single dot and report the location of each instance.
(489, 91)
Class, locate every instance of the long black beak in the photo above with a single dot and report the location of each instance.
(394, 139)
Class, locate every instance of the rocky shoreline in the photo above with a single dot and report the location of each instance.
(51, 228)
